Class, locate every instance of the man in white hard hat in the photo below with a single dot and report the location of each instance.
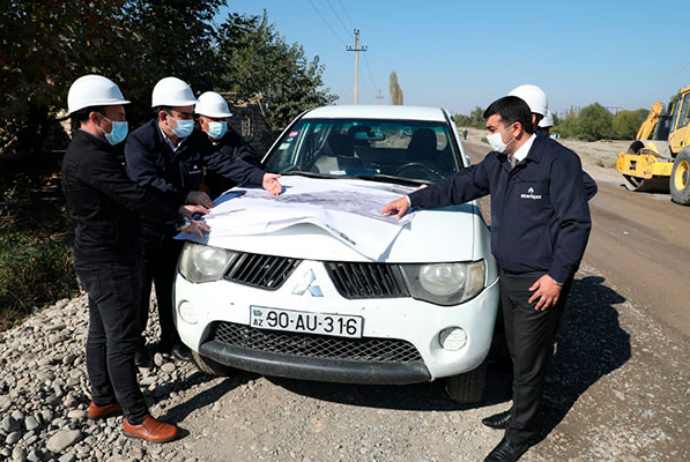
(168, 155)
(546, 123)
(213, 114)
(539, 105)
(105, 203)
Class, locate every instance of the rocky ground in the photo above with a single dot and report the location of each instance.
(619, 390)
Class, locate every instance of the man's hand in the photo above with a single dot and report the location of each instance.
(200, 198)
(190, 210)
(197, 227)
(546, 291)
(398, 206)
(271, 184)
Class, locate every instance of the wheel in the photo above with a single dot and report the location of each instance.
(209, 366)
(679, 182)
(468, 387)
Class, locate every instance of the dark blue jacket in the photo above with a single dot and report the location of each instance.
(105, 203)
(590, 185)
(233, 146)
(152, 164)
(540, 219)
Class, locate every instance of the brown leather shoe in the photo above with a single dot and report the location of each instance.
(151, 430)
(99, 412)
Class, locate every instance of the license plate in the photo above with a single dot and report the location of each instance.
(312, 323)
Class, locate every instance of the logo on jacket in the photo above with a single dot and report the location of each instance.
(195, 170)
(530, 195)
(309, 285)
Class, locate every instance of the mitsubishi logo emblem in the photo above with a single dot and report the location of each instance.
(309, 285)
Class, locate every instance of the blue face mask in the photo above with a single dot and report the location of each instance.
(118, 132)
(184, 128)
(217, 130)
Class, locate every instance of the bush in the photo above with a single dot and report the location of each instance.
(33, 272)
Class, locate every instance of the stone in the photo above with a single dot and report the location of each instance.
(9, 424)
(168, 367)
(31, 423)
(19, 454)
(69, 457)
(63, 439)
(158, 359)
(13, 437)
(77, 414)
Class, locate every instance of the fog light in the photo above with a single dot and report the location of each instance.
(187, 312)
(452, 338)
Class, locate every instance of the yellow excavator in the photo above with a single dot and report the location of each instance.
(659, 158)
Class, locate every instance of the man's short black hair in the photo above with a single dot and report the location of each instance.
(163, 108)
(82, 115)
(511, 109)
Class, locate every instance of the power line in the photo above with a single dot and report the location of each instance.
(371, 76)
(337, 16)
(342, 5)
(671, 77)
(327, 23)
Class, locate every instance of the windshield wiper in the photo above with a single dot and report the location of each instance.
(391, 178)
(312, 174)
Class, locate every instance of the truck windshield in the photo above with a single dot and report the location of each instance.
(414, 150)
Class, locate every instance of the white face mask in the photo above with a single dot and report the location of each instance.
(496, 141)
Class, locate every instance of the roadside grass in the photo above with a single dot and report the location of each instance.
(36, 266)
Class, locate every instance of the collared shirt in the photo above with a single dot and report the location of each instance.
(523, 150)
(167, 140)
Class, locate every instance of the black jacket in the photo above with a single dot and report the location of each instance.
(151, 163)
(104, 202)
(540, 219)
(233, 146)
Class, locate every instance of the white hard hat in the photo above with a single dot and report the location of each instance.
(212, 104)
(547, 121)
(171, 91)
(93, 90)
(534, 97)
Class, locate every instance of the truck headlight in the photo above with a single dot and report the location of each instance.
(202, 263)
(445, 283)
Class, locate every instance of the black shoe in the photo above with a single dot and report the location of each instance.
(498, 421)
(506, 452)
(142, 358)
(181, 352)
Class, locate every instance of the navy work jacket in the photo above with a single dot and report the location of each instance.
(231, 145)
(152, 163)
(540, 219)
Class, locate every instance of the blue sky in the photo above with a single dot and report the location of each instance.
(461, 54)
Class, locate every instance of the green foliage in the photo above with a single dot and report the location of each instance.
(253, 58)
(47, 45)
(627, 123)
(394, 90)
(474, 120)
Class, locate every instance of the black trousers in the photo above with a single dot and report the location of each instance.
(529, 335)
(113, 290)
(158, 257)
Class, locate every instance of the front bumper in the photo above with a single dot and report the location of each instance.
(404, 320)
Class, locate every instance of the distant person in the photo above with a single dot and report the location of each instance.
(105, 203)
(213, 114)
(168, 155)
(464, 134)
(546, 123)
(539, 105)
(540, 225)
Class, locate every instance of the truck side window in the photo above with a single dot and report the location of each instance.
(683, 118)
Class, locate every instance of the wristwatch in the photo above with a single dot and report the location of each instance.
(184, 224)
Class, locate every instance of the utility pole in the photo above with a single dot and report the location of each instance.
(356, 49)
(380, 97)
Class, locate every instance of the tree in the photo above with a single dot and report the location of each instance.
(253, 58)
(394, 90)
(627, 123)
(595, 122)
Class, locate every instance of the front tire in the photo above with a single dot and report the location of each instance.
(209, 366)
(467, 388)
(679, 182)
